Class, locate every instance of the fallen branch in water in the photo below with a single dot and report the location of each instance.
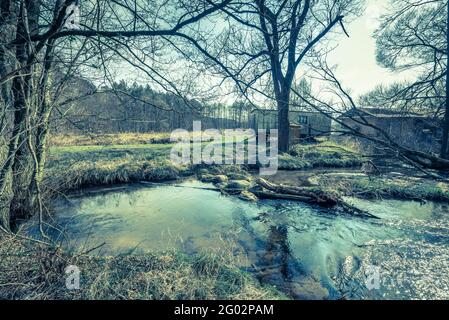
(311, 195)
(272, 195)
(277, 191)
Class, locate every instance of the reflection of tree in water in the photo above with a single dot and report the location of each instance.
(277, 265)
(277, 252)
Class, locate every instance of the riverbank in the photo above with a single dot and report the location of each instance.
(34, 271)
(76, 161)
(390, 187)
(325, 165)
(356, 184)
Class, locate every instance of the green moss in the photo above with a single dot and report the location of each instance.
(320, 155)
(288, 162)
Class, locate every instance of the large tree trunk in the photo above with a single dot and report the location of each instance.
(283, 122)
(23, 165)
(444, 145)
(15, 173)
(19, 87)
(7, 12)
(42, 126)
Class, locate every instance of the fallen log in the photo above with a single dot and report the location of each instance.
(312, 194)
(309, 195)
(272, 195)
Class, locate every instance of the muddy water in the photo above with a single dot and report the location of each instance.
(307, 252)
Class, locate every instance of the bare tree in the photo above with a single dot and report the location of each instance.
(266, 42)
(37, 48)
(414, 36)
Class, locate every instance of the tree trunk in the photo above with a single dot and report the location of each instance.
(15, 173)
(19, 87)
(444, 145)
(43, 117)
(7, 11)
(283, 122)
(23, 166)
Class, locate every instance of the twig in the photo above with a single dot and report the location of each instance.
(90, 250)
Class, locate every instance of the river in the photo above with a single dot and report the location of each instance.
(305, 251)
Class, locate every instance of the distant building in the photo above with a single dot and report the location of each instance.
(409, 129)
(303, 124)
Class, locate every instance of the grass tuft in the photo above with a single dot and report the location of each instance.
(109, 139)
(325, 154)
(389, 188)
(31, 271)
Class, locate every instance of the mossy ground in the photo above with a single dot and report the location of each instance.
(324, 154)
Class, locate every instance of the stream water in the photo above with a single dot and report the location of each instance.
(307, 252)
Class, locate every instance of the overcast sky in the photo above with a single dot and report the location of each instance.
(356, 57)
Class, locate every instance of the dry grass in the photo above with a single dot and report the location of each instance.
(388, 188)
(102, 173)
(77, 166)
(32, 271)
(71, 167)
(64, 140)
(325, 154)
